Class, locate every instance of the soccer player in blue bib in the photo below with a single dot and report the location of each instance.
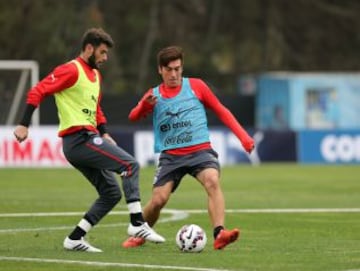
(182, 139)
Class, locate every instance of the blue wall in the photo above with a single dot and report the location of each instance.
(308, 101)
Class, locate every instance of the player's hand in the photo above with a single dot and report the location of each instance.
(249, 145)
(21, 133)
(151, 99)
(109, 139)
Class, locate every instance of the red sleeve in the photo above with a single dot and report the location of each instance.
(62, 77)
(100, 116)
(142, 109)
(208, 98)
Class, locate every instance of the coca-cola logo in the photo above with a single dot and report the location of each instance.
(179, 139)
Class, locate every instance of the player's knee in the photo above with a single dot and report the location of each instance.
(211, 183)
(114, 197)
(132, 169)
(117, 197)
(135, 166)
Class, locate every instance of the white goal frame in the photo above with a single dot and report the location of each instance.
(26, 67)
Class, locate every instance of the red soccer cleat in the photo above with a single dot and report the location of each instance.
(226, 237)
(133, 242)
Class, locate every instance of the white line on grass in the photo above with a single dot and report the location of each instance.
(175, 215)
(58, 228)
(106, 264)
(54, 214)
(286, 210)
(181, 214)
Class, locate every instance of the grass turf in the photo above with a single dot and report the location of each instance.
(269, 241)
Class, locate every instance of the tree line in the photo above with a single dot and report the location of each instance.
(222, 39)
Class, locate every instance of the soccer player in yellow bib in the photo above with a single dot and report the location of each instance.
(86, 143)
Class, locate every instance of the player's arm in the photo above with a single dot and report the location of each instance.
(144, 107)
(210, 101)
(101, 123)
(61, 78)
(100, 117)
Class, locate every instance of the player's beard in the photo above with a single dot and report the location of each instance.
(92, 63)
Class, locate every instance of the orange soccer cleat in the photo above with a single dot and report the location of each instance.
(226, 237)
(133, 242)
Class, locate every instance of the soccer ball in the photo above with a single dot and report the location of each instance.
(191, 238)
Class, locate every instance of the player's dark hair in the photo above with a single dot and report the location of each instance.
(169, 54)
(95, 37)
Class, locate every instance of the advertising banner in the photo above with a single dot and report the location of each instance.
(335, 147)
(43, 148)
(271, 146)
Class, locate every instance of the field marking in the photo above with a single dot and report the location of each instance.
(175, 215)
(173, 212)
(106, 264)
(286, 210)
(58, 228)
(178, 214)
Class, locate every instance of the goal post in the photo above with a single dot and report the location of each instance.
(29, 76)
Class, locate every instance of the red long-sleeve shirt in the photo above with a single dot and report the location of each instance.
(209, 100)
(61, 78)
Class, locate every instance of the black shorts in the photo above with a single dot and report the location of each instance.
(175, 167)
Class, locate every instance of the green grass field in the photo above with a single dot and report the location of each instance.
(291, 218)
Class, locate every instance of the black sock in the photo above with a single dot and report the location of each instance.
(217, 231)
(77, 233)
(136, 219)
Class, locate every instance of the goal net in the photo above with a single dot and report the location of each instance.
(16, 77)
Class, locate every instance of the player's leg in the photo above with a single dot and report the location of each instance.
(168, 176)
(109, 195)
(98, 157)
(83, 158)
(108, 190)
(159, 198)
(209, 179)
(151, 212)
(128, 167)
(116, 159)
(207, 171)
(95, 159)
(170, 170)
